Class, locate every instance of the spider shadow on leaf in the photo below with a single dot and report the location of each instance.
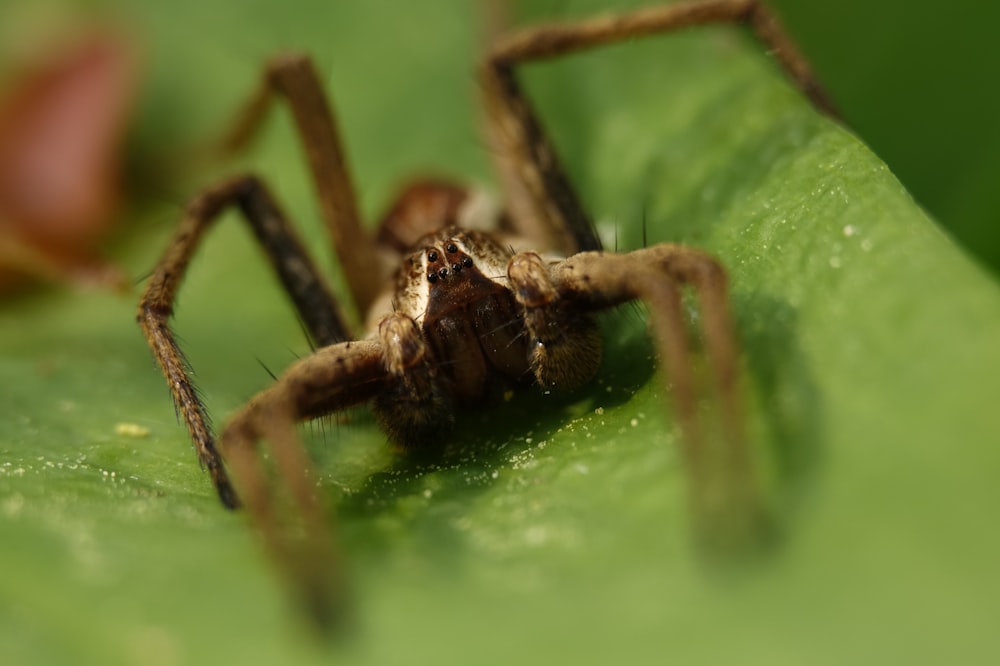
(421, 492)
(419, 496)
(786, 406)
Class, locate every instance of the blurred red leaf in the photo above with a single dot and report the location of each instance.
(62, 125)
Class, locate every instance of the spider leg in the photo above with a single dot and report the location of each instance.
(293, 78)
(331, 379)
(544, 207)
(410, 397)
(290, 261)
(542, 202)
(723, 496)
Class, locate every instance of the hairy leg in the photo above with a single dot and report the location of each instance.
(398, 373)
(299, 537)
(725, 500)
(542, 201)
(290, 261)
(293, 78)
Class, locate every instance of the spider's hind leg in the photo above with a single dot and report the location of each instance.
(543, 205)
(293, 78)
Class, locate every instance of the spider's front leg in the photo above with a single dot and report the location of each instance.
(411, 400)
(299, 537)
(558, 299)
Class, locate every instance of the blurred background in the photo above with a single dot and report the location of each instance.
(915, 80)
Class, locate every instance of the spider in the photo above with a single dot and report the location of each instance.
(458, 298)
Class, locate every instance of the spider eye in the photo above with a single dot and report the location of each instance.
(432, 256)
(432, 277)
(452, 248)
(443, 272)
(467, 262)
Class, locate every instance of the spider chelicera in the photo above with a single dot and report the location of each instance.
(457, 296)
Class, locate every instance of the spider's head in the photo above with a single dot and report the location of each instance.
(454, 255)
(452, 269)
(446, 262)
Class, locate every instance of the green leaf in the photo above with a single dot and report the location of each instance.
(870, 357)
(919, 108)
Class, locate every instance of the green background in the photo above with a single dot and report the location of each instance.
(556, 529)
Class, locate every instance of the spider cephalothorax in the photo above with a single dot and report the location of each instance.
(464, 335)
(467, 313)
(480, 298)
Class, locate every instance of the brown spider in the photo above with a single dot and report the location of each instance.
(457, 298)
